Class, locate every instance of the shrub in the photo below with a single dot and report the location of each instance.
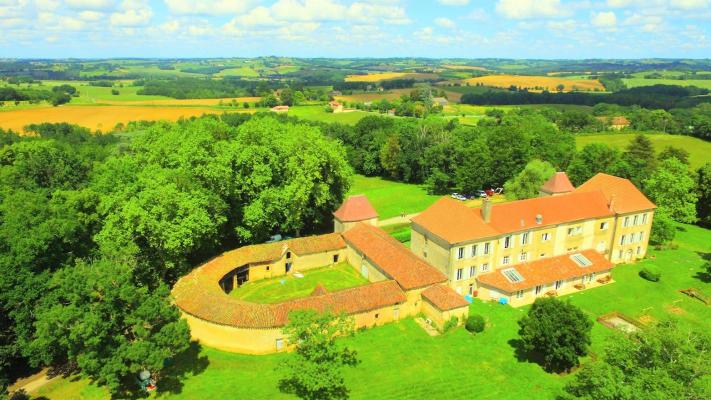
(450, 324)
(115, 92)
(475, 323)
(650, 275)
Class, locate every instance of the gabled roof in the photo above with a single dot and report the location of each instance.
(444, 298)
(392, 257)
(355, 208)
(545, 271)
(620, 193)
(558, 183)
(454, 222)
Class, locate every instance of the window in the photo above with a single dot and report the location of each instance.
(623, 239)
(635, 220)
(512, 275)
(539, 289)
(335, 258)
(507, 242)
(267, 267)
(506, 260)
(472, 271)
(460, 253)
(644, 218)
(519, 294)
(581, 260)
(575, 230)
(641, 236)
(471, 289)
(524, 238)
(603, 226)
(424, 253)
(619, 255)
(558, 285)
(459, 274)
(484, 267)
(279, 344)
(523, 256)
(288, 255)
(377, 315)
(639, 250)
(591, 277)
(474, 250)
(486, 248)
(626, 222)
(542, 255)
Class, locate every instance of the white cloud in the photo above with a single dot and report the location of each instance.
(389, 14)
(308, 10)
(453, 2)
(523, 9)
(170, 27)
(260, 16)
(663, 4)
(647, 23)
(91, 15)
(478, 14)
(604, 19)
(689, 4)
(208, 7)
(566, 25)
(444, 22)
(132, 13)
(90, 4)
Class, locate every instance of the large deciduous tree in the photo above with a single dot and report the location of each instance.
(641, 159)
(528, 182)
(314, 370)
(557, 332)
(594, 158)
(96, 316)
(672, 189)
(703, 191)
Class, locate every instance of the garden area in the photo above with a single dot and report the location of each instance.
(282, 288)
(400, 361)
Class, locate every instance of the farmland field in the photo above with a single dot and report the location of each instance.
(384, 76)
(400, 361)
(699, 150)
(318, 113)
(465, 67)
(100, 117)
(635, 82)
(374, 96)
(548, 82)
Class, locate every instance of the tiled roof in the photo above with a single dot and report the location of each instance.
(558, 183)
(392, 257)
(319, 290)
(545, 271)
(355, 208)
(316, 244)
(454, 222)
(621, 193)
(444, 298)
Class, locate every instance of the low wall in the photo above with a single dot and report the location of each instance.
(232, 339)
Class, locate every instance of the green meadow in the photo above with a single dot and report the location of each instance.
(390, 198)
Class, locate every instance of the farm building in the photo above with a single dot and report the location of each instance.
(280, 109)
(615, 123)
(336, 107)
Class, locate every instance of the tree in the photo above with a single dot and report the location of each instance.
(528, 182)
(97, 317)
(703, 192)
(594, 158)
(664, 362)
(286, 97)
(269, 101)
(510, 147)
(676, 152)
(390, 156)
(641, 159)
(663, 228)
(672, 188)
(560, 87)
(558, 332)
(313, 372)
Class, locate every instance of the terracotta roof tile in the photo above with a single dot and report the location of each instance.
(623, 194)
(444, 298)
(454, 222)
(355, 208)
(392, 258)
(558, 183)
(546, 271)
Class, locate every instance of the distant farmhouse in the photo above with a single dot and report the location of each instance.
(565, 241)
(336, 107)
(615, 123)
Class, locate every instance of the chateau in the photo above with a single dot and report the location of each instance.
(564, 241)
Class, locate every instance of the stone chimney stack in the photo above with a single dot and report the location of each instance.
(486, 210)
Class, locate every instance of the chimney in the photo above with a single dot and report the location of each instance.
(539, 219)
(612, 203)
(486, 210)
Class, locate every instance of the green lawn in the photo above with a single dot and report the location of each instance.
(318, 113)
(699, 150)
(283, 288)
(399, 361)
(391, 198)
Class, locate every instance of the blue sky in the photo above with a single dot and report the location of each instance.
(359, 28)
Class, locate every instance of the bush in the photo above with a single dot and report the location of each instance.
(650, 275)
(475, 323)
(115, 92)
(451, 324)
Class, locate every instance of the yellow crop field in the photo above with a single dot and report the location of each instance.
(531, 82)
(98, 117)
(181, 102)
(384, 76)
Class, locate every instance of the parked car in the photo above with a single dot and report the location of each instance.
(490, 192)
(480, 194)
(458, 196)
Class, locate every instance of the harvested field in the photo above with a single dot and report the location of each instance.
(390, 95)
(99, 117)
(384, 76)
(181, 102)
(531, 82)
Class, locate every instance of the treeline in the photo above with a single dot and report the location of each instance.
(93, 229)
(12, 94)
(194, 88)
(654, 97)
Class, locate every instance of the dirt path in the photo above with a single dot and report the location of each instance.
(32, 382)
(397, 220)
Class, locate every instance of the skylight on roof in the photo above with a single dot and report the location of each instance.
(581, 260)
(512, 275)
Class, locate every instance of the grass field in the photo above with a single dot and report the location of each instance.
(635, 82)
(384, 76)
(464, 67)
(374, 96)
(283, 288)
(391, 198)
(102, 118)
(400, 361)
(548, 82)
(318, 113)
(699, 150)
